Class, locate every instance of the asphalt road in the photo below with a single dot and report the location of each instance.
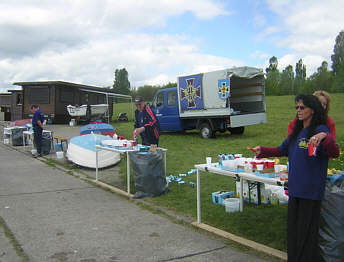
(48, 215)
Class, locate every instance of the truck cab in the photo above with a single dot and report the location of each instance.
(165, 106)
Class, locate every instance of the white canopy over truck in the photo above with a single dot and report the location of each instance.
(221, 100)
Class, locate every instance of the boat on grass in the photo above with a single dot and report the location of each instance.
(98, 128)
(81, 111)
(81, 151)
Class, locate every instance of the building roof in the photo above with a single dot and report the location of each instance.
(82, 87)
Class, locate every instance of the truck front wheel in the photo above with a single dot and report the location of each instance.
(206, 131)
(237, 130)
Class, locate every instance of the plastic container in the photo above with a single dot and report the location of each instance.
(59, 154)
(232, 204)
(229, 164)
(58, 147)
(260, 167)
(6, 141)
(33, 151)
(219, 196)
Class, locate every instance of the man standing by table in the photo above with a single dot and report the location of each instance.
(37, 125)
(146, 123)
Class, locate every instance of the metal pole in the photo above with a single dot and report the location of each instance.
(165, 161)
(198, 198)
(108, 113)
(241, 194)
(128, 173)
(96, 163)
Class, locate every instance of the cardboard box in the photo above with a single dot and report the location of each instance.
(251, 195)
(219, 196)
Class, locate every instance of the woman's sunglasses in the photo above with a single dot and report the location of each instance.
(300, 107)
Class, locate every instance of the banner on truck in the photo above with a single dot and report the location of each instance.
(191, 97)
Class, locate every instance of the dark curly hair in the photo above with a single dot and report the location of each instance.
(318, 118)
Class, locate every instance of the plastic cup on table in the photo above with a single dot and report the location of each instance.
(208, 161)
(260, 167)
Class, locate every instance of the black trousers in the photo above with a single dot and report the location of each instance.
(149, 140)
(303, 230)
(37, 135)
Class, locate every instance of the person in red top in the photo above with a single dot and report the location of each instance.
(324, 99)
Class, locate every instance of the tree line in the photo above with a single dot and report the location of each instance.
(287, 82)
(290, 82)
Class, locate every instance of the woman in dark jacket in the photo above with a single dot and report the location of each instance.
(307, 176)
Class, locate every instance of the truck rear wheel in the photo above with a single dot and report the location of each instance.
(237, 130)
(206, 131)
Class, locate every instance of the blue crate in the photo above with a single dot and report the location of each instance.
(219, 196)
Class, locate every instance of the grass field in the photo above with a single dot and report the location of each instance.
(265, 224)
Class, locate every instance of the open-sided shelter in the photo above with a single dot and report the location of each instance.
(53, 97)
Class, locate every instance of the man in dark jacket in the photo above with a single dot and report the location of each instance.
(146, 123)
(37, 125)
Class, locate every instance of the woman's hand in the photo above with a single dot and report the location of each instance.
(316, 139)
(256, 150)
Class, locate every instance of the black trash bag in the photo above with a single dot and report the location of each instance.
(17, 136)
(331, 229)
(149, 173)
(46, 143)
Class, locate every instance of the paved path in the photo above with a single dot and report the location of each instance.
(52, 216)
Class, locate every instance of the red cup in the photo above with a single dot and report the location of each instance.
(133, 143)
(271, 164)
(312, 150)
(124, 144)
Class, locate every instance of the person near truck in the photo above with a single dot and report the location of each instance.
(146, 123)
(324, 99)
(37, 126)
(307, 176)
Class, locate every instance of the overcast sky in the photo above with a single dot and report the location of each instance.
(84, 41)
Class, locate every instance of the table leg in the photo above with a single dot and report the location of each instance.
(128, 173)
(165, 161)
(198, 198)
(258, 193)
(241, 194)
(96, 164)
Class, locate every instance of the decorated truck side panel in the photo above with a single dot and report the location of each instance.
(215, 101)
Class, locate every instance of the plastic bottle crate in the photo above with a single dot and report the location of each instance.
(232, 204)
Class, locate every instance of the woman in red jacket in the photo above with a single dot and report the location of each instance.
(324, 99)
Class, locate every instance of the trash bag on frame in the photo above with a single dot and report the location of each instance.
(149, 173)
(331, 229)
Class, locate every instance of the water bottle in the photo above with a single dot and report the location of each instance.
(220, 161)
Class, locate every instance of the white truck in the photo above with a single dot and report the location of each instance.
(228, 99)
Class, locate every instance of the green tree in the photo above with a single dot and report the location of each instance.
(300, 77)
(286, 86)
(147, 92)
(121, 84)
(338, 63)
(272, 77)
(320, 80)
